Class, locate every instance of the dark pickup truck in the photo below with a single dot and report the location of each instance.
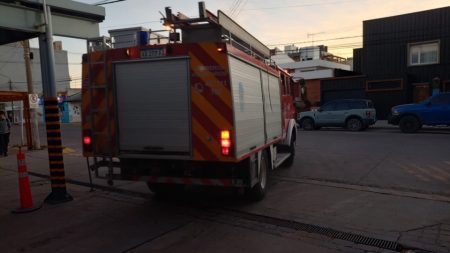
(433, 112)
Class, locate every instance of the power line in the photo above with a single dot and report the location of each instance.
(301, 5)
(405, 34)
(303, 42)
(108, 2)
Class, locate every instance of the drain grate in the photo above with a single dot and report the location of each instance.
(329, 232)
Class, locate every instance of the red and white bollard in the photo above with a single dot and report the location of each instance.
(26, 200)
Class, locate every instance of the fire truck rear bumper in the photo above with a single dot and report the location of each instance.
(192, 181)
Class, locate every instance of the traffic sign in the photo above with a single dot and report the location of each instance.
(34, 101)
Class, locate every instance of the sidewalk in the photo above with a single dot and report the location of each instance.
(93, 221)
(384, 125)
(103, 221)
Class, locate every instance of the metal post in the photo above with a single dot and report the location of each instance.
(59, 192)
(12, 102)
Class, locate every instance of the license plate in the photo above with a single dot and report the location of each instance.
(152, 52)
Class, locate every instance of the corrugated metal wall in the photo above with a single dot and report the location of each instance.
(384, 56)
(386, 40)
(340, 88)
(357, 60)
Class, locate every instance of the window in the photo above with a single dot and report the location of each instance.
(441, 99)
(341, 106)
(358, 104)
(329, 106)
(423, 53)
(384, 85)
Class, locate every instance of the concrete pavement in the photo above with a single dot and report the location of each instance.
(104, 221)
(107, 221)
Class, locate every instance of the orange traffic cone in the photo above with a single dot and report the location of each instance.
(26, 200)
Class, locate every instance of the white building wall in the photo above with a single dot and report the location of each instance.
(12, 67)
(75, 111)
(316, 74)
(315, 64)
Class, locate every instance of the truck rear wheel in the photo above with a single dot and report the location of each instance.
(258, 191)
(409, 124)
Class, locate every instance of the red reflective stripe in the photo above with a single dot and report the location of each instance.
(186, 181)
(153, 179)
(206, 181)
(226, 182)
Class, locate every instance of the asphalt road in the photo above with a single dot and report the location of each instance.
(372, 191)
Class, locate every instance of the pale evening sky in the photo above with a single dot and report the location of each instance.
(274, 23)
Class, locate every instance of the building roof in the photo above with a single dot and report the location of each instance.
(323, 64)
(74, 98)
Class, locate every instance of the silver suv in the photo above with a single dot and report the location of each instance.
(354, 114)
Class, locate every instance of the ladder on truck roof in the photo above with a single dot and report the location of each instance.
(106, 154)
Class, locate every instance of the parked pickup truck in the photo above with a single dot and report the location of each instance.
(354, 114)
(433, 111)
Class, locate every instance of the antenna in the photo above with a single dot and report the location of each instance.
(308, 35)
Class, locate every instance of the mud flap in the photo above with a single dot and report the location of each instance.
(253, 166)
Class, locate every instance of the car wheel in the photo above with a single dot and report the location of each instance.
(409, 124)
(308, 124)
(354, 124)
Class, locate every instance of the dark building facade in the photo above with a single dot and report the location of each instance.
(404, 59)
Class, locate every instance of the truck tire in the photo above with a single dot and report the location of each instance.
(354, 124)
(165, 190)
(258, 191)
(291, 149)
(307, 124)
(409, 124)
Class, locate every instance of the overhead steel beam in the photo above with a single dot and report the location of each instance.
(25, 19)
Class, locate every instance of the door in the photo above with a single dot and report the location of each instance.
(421, 92)
(438, 110)
(153, 105)
(326, 114)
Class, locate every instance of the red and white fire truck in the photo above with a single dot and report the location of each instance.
(209, 109)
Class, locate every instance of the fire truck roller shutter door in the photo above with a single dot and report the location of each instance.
(154, 112)
(248, 106)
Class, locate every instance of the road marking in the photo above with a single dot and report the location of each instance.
(414, 173)
(426, 172)
(442, 172)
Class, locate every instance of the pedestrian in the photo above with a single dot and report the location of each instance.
(5, 129)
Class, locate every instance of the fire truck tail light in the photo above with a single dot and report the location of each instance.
(225, 134)
(225, 142)
(87, 140)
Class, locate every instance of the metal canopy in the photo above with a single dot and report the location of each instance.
(7, 96)
(24, 19)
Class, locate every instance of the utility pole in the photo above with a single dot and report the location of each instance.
(33, 116)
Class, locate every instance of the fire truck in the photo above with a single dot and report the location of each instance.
(205, 106)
